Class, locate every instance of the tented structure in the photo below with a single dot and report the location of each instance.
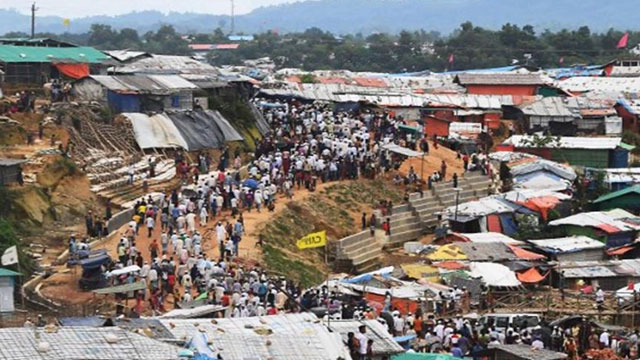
(286, 337)
(494, 275)
(190, 130)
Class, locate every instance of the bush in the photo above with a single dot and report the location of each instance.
(8, 238)
(65, 165)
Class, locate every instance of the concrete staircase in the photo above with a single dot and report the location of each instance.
(361, 252)
(474, 185)
(405, 226)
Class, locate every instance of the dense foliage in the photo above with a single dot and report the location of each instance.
(471, 47)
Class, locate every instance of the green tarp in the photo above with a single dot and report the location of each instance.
(122, 288)
(41, 54)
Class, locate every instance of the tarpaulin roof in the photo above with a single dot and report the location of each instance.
(191, 130)
(602, 268)
(541, 180)
(450, 265)
(609, 221)
(285, 336)
(139, 285)
(82, 342)
(531, 276)
(124, 270)
(199, 311)
(448, 252)
(510, 156)
(143, 84)
(621, 250)
(567, 244)
(535, 165)
(549, 106)
(493, 274)
(525, 254)
(419, 271)
(567, 142)
(402, 150)
(41, 54)
(488, 237)
(157, 131)
(494, 251)
(500, 79)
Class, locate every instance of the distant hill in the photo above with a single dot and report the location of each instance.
(365, 16)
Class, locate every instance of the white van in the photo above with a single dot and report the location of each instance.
(504, 321)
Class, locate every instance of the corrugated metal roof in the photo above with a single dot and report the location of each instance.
(568, 244)
(568, 142)
(490, 237)
(383, 343)
(549, 106)
(610, 86)
(22, 54)
(165, 64)
(499, 79)
(613, 219)
(597, 269)
(286, 337)
(70, 342)
(632, 189)
(154, 84)
(125, 55)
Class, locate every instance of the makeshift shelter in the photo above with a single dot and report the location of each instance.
(92, 272)
(553, 109)
(479, 238)
(573, 248)
(501, 83)
(628, 199)
(494, 275)
(81, 342)
(10, 171)
(39, 64)
(136, 93)
(614, 227)
(607, 274)
(540, 174)
(383, 343)
(597, 152)
(287, 336)
(190, 130)
(540, 201)
(7, 289)
(531, 276)
(204, 311)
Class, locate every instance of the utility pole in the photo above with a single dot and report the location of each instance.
(233, 18)
(33, 20)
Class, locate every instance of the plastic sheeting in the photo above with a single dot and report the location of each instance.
(190, 130)
(74, 71)
(198, 132)
(493, 274)
(157, 131)
(531, 276)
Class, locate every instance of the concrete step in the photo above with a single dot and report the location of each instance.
(402, 220)
(425, 204)
(400, 238)
(355, 238)
(354, 248)
(426, 194)
(430, 222)
(367, 255)
(406, 227)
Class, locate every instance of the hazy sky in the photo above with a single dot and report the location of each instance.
(81, 8)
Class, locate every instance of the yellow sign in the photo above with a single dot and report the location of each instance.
(66, 22)
(313, 240)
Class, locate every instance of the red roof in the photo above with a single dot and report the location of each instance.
(450, 265)
(525, 254)
(609, 229)
(620, 250)
(531, 276)
(371, 82)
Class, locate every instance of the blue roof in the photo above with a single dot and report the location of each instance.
(625, 104)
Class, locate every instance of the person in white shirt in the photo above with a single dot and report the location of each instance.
(537, 343)
(362, 340)
(604, 339)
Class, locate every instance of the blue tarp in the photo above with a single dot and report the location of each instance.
(251, 183)
(200, 345)
(123, 102)
(508, 225)
(95, 262)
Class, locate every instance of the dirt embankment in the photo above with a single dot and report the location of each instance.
(433, 162)
(336, 209)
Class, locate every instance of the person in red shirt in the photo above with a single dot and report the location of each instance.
(272, 310)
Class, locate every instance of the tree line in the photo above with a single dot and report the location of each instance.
(314, 49)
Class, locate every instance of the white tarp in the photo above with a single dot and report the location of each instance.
(401, 150)
(567, 142)
(564, 171)
(626, 294)
(541, 181)
(493, 274)
(157, 131)
(568, 244)
(490, 237)
(124, 270)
